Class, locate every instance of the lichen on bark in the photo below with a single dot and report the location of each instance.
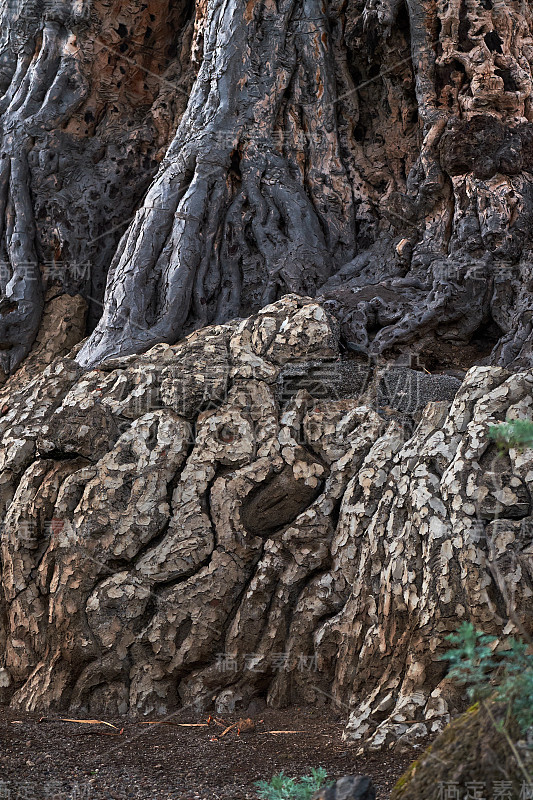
(191, 532)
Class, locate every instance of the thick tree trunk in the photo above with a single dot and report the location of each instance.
(88, 93)
(234, 217)
(279, 179)
(171, 530)
(377, 154)
(200, 523)
(463, 223)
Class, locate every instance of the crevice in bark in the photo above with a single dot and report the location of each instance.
(68, 183)
(255, 210)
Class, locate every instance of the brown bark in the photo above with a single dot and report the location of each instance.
(174, 532)
(88, 94)
(377, 154)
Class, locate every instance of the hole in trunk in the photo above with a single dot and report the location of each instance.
(493, 42)
(509, 83)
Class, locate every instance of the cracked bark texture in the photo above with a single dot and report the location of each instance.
(376, 154)
(177, 529)
(88, 93)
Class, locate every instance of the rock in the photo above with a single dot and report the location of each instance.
(174, 534)
(400, 388)
(325, 380)
(358, 787)
(5, 684)
(5, 679)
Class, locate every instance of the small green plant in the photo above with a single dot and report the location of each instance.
(505, 676)
(517, 434)
(281, 787)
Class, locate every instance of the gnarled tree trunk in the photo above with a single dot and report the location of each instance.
(174, 532)
(88, 94)
(234, 216)
(377, 154)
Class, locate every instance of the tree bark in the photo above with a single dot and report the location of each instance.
(177, 530)
(88, 93)
(232, 218)
(463, 222)
(423, 235)
(377, 154)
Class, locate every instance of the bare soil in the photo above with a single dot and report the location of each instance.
(49, 759)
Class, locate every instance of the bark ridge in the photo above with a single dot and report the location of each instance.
(186, 525)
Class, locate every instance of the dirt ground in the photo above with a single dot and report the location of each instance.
(51, 759)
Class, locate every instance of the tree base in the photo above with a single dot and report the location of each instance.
(211, 521)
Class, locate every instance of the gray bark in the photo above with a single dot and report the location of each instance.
(376, 154)
(232, 220)
(87, 95)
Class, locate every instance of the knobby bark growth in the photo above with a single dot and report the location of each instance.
(378, 154)
(375, 154)
(173, 533)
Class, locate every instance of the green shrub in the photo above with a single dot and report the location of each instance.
(505, 676)
(282, 787)
(516, 433)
